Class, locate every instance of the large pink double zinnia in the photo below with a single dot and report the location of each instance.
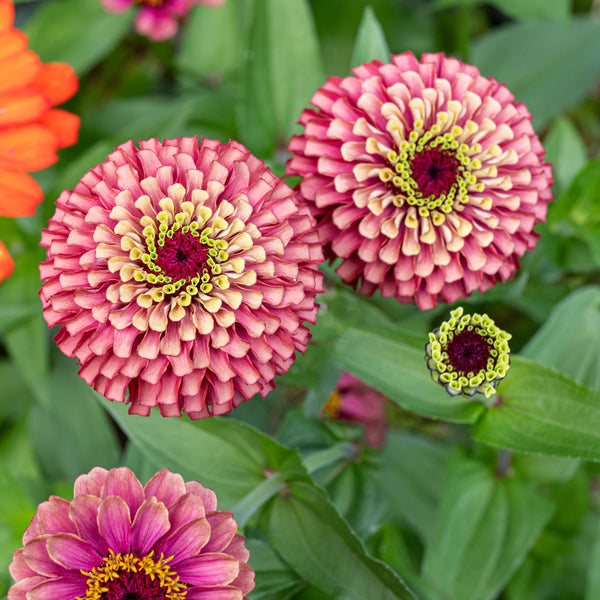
(425, 177)
(183, 273)
(118, 539)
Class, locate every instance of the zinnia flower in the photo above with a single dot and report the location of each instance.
(31, 130)
(182, 272)
(356, 402)
(118, 540)
(425, 178)
(468, 354)
(157, 19)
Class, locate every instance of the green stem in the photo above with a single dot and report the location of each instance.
(322, 458)
(274, 484)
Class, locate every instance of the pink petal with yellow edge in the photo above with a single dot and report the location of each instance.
(84, 513)
(37, 558)
(91, 483)
(72, 552)
(222, 530)
(151, 522)
(114, 524)
(209, 498)
(214, 593)
(165, 486)
(123, 483)
(185, 541)
(65, 588)
(209, 569)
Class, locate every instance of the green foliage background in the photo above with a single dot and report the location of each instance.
(465, 501)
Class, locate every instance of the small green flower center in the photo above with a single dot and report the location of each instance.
(468, 354)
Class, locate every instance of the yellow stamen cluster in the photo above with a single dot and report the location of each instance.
(114, 565)
(399, 175)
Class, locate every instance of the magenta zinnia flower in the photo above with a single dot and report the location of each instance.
(157, 19)
(182, 272)
(356, 402)
(118, 539)
(425, 178)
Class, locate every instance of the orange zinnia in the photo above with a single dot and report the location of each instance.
(31, 130)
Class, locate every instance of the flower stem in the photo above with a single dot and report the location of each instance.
(272, 485)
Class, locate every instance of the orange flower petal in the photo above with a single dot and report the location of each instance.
(19, 70)
(57, 81)
(12, 42)
(64, 125)
(22, 106)
(7, 14)
(27, 148)
(7, 264)
(20, 193)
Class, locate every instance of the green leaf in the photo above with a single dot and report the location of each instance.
(569, 340)
(577, 213)
(78, 32)
(484, 530)
(394, 363)
(282, 73)
(71, 433)
(592, 591)
(272, 574)
(566, 151)
(412, 485)
(211, 40)
(560, 72)
(370, 41)
(539, 410)
(557, 10)
(223, 454)
(314, 540)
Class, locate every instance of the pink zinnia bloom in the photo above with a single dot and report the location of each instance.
(182, 272)
(157, 19)
(426, 178)
(118, 539)
(356, 402)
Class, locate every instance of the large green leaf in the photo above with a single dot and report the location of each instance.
(313, 539)
(223, 454)
(413, 467)
(70, 432)
(549, 66)
(282, 73)
(566, 151)
(485, 527)
(577, 212)
(211, 41)
(569, 340)
(79, 32)
(393, 363)
(539, 410)
(557, 10)
(370, 40)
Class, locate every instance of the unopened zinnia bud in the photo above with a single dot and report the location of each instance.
(468, 354)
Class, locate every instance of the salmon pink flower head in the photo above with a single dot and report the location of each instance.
(426, 178)
(31, 129)
(158, 20)
(182, 272)
(118, 539)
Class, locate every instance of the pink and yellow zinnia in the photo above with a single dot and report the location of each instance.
(118, 539)
(425, 178)
(183, 273)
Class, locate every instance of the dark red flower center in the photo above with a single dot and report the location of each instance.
(435, 171)
(153, 3)
(182, 256)
(468, 352)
